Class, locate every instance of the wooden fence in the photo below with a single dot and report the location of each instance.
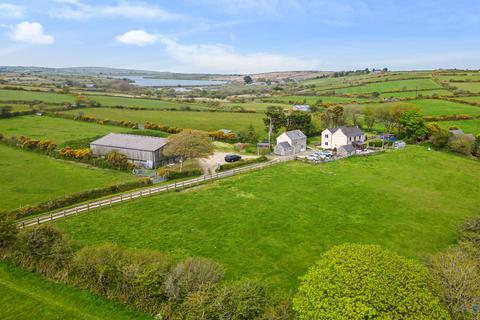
(144, 193)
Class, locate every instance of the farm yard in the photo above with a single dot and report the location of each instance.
(208, 121)
(407, 201)
(28, 178)
(56, 130)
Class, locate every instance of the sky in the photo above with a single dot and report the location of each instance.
(241, 36)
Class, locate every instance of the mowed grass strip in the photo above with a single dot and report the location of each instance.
(28, 178)
(47, 97)
(275, 223)
(56, 130)
(208, 121)
(25, 295)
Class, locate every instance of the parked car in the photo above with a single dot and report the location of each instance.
(312, 157)
(232, 158)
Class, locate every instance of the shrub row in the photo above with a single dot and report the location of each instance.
(11, 114)
(174, 173)
(77, 197)
(241, 163)
(149, 281)
(218, 135)
(121, 123)
(448, 117)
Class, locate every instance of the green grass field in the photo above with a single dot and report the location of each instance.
(47, 97)
(413, 94)
(141, 103)
(25, 295)
(28, 178)
(392, 86)
(442, 107)
(276, 222)
(312, 99)
(468, 126)
(209, 121)
(475, 99)
(57, 130)
(468, 86)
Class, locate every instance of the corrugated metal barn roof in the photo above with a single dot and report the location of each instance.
(131, 141)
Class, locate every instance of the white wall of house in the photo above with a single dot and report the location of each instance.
(338, 139)
(284, 138)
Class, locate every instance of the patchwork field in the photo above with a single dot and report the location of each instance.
(209, 121)
(401, 85)
(275, 223)
(442, 107)
(140, 103)
(312, 99)
(25, 295)
(47, 97)
(468, 126)
(28, 178)
(56, 130)
(475, 99)
(413, 94)
(468, 86)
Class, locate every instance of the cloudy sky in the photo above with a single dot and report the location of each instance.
(241, 36)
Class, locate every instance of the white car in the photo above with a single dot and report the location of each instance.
(312, 157)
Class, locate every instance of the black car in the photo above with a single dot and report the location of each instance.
(232, 157)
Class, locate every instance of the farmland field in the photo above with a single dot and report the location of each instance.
(312, 99)
(208, 121)
(28, 178)
(56, 130)
(139, 102)
(468, 86)
(441, 107)
(468, 126)
(24, 295)
(475, 99)
(413, 94)
(392, 86)
(275, 223)
(46, 97)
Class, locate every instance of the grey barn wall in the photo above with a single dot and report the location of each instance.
(155, 157)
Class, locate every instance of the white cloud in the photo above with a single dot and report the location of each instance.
(75, 9)
(137, 37)
(8, 10)
(225, 59)
(30, 32)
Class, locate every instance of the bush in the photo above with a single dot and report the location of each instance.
(470, 232)
(43, 249)
(134, 277)
(461, 144)
(376, 143)
(190, 275)
(353, 281)
(458, 274)
(8, 230)
(233, 165)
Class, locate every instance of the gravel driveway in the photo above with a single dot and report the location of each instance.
(215, 160)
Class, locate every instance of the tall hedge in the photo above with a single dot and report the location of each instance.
(353, 281)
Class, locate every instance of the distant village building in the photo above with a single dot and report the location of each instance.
(301, 107)
(291, 143)
(333, 138)
(144, 151)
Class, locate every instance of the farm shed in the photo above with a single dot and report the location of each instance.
(290, 143)
(144, 151)
(346, 150)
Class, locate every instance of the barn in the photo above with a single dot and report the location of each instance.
(144, 151)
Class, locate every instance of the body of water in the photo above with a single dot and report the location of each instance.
(147, 82)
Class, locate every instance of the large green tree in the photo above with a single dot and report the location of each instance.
(188, 144)
(299, 120)
(274, 120)
(354, 281)
(412, 125)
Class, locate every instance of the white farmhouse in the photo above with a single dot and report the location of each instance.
(290, 143)
(333, 138)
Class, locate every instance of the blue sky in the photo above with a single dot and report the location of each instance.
(241, 36)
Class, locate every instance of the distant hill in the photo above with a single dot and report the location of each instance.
(95, 71)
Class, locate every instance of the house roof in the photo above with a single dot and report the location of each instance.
(130, 141)
(295, 134)
(456, 132)
(284, 145)
(348, 131)
(348, 148)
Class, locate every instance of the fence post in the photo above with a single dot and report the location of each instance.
(38, 220)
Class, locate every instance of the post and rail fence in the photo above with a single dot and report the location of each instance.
(144, 193)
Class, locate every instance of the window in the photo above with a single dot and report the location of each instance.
(326, 135)
(326, 143)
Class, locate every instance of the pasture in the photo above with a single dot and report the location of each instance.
(139, 102)
(435, 107)
(24, 295)
(56, 130)
(28, 178)
(312, 99)
(208, 121)
(467, 86)
(275, 223)
(47, 97)
(414, 94)
(401, 85)
(468, 126)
